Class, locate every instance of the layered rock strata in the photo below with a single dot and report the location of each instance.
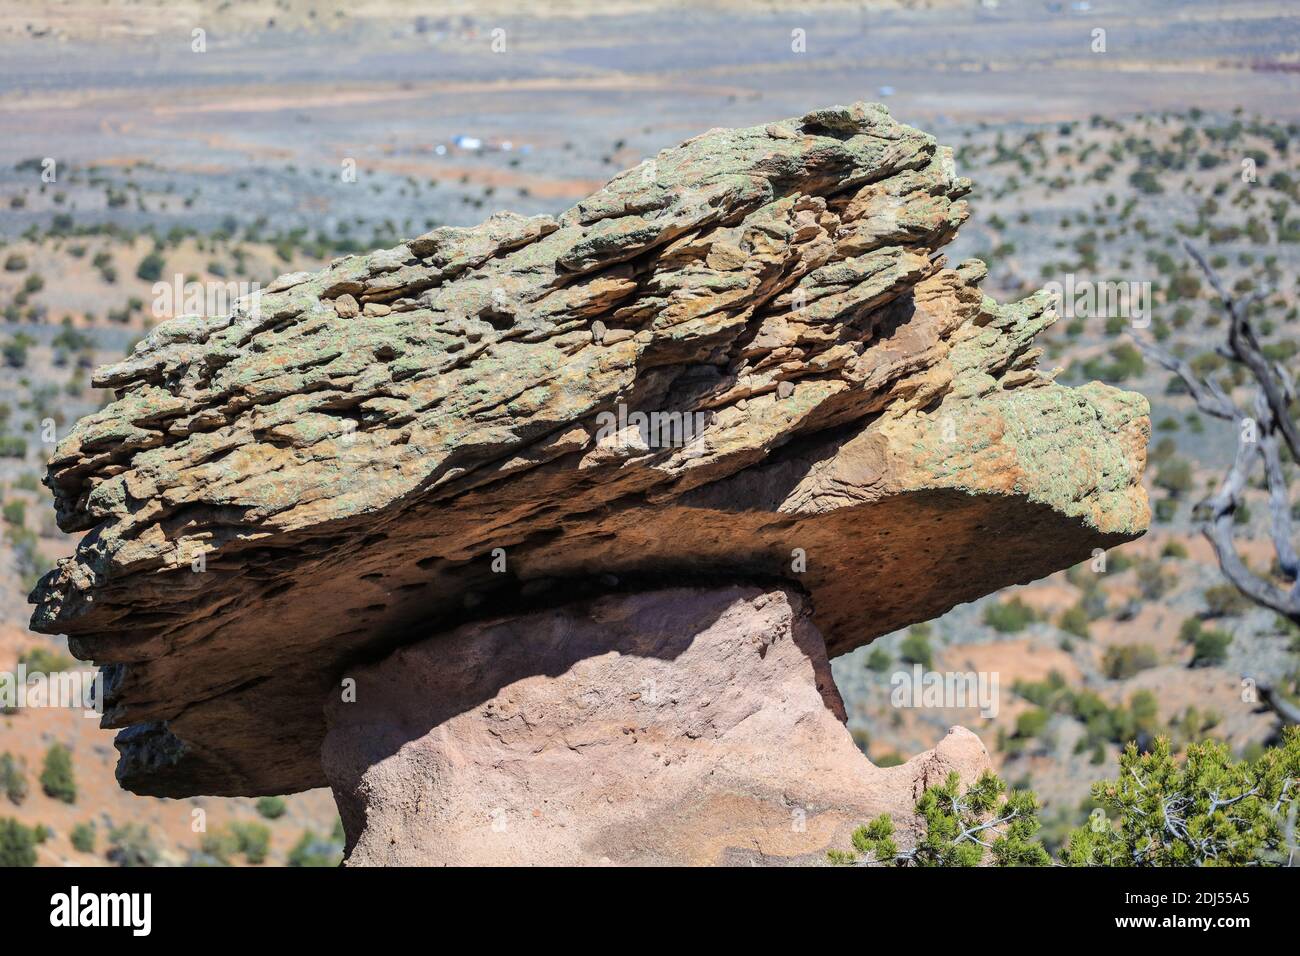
(744, 361)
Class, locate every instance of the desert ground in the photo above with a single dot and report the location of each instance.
(196, 143)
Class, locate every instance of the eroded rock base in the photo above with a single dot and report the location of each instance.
(681, 726)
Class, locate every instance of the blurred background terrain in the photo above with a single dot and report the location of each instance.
(217, 142)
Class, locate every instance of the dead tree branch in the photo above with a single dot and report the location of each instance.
(1261, 437)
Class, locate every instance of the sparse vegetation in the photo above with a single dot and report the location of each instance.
(56, 777)
(271, 808)
(1122, 661)
(1009, 617)
(1207, 809)
(83, 838)
(17, 844)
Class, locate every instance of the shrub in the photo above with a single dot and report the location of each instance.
(272, 808)
(916, 649)
(13, 778)
(1224, 600)
(1175, 476)
(83, 838)
(1032, 723)
(1152, 579)
(151, 267)
(17, 844)
(1208, 810)
(960, 829)
(43, 660)
(15, 350)
(56, 778)
(1074, 620)
(1009, 617)
(15, 512)
(1124, 660)
(1174, 549)
(220, 844)
(1211, 647)
(311, 850)
(253, 839)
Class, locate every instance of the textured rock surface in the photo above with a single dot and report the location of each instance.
(670, 727)
(347, 451)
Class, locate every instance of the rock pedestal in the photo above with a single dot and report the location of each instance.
(681, 726)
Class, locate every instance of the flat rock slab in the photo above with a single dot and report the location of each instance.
(743, 360)
(684, 726)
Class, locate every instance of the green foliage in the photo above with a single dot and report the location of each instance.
(959, 829)
(1122, 661)
(151, 267)
(15, 512)
(1152, 579)
(1125, 362)
(1208, 811)
(13, 778)
(1102, 723)
(56, 777)
(83, 838)
(1074, 620)
(1009, 617)
(220, 844)
(1210, 647)
(876, 839)
(15, 350)
(1144, 180)
(1224, 599)
(1175, 550)
(1175, 476)
(312, 850)
(1029, 724)
(916, 649)
(253, 840)
(43, 660)
(1117, 562)
(271, 808)
(17, 844)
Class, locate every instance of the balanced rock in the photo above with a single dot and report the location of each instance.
(742, 363)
